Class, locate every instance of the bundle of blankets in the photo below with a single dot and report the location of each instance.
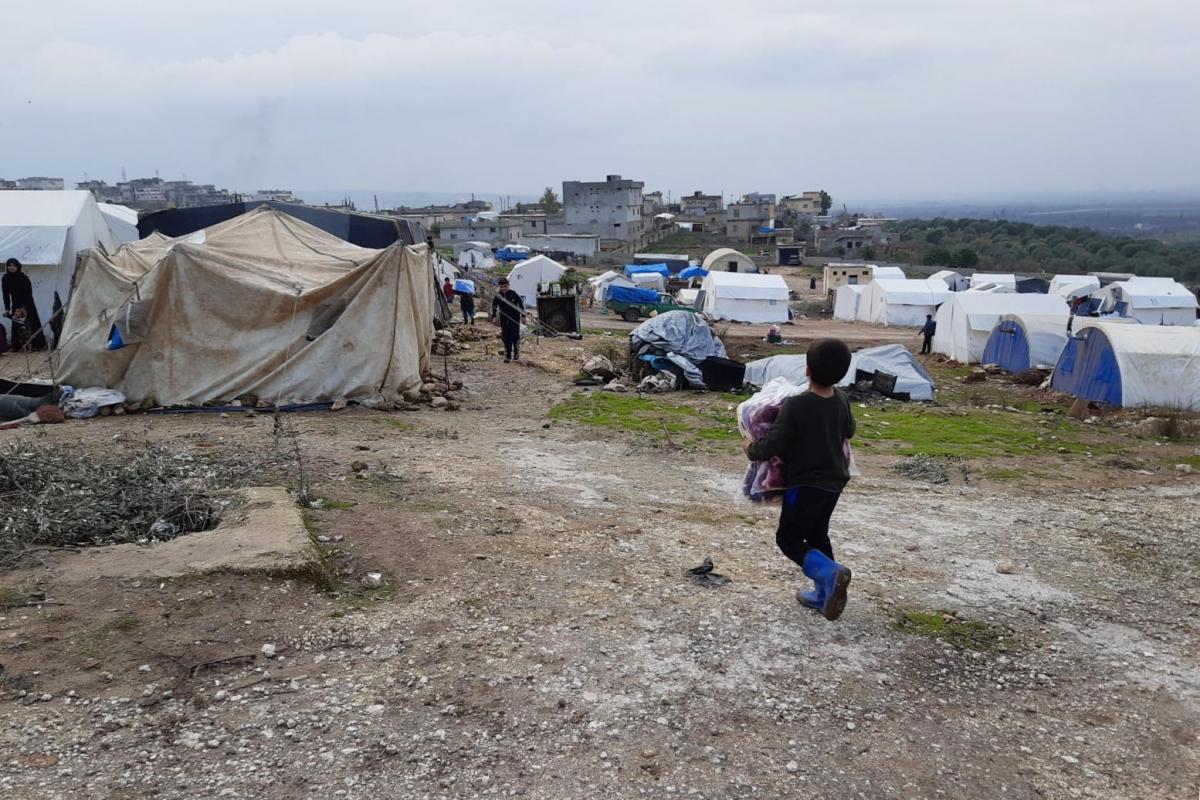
(766, 481)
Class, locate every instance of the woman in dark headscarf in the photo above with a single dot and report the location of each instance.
(18, 293)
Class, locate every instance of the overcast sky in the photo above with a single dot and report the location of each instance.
(872, 100)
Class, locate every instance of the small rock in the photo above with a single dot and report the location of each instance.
(439, 402)
(614, 387)
(373, 580)
(144, 668)
(358, 466)
(338, 404)
(1006, 567)
(376, 709)
(268, 650)
(792, 766)
(1185, 469)
(1070, 759)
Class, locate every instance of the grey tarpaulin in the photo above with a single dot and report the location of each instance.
(894, 359)
(681, 336)
(682, 332)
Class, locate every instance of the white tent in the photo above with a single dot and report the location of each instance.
(1072, 286)
(122, 221)
(1151, 301)
(726, 259)
(966, 319)
(601, 283)
(745, 297)
(46, 230)
(649, 280)
(896, 302)
(262, 304)
(955, 282)
(443, 269)
(476, 259)
(887, 273)
(528, 275)
(1155, 365)
(1002, 281)
(687, 297)
(845, 302)
(1024, 341)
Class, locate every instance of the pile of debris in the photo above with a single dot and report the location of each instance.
(54, 496)
(436, 393)
(930, 469)
(473, 333)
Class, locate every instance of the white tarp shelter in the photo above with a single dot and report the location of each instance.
(726, 259)
(966, 319)
(1072, 286)
(687, 297)
(1027, 341)
(887, 273)
(1151, 301)
(649, 280)
(745, 297)
(845, 302)
(528, 275)
(901, 302)
(603, 282)
(443, 269)
(955, 282)
(262, 304)
(1002, 281)
(46, 230)
(1132, 365)
(473, 259)
(893, 359)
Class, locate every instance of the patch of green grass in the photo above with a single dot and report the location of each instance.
(358, 598)
(657, 418)
(965, 634)
(125, 623)
(336, 505)
(10, 597)
(978, 433)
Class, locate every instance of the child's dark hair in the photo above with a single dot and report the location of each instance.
(829, 359)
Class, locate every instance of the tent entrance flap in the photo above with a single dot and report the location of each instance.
(131, 325)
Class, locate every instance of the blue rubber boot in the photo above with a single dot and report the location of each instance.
(814, 599)
(832, 580)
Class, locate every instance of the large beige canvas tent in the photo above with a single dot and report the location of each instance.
(262, 305)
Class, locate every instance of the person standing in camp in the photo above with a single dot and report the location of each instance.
(811, 436)
(448, 291)
(467, 301)
(18, 293)
(927, 331)
(508, 309)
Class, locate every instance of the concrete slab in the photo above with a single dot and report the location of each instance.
(266, 533)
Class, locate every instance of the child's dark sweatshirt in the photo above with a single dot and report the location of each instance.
(809, 435)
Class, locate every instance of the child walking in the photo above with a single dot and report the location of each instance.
(810, 436)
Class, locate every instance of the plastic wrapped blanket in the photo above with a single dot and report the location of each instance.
(766, 481)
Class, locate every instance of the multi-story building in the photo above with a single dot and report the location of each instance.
(744, 220)
(34, 184)
(805, 204)
(699, 204)
(652, 203)
(496, 232)
(759, 198)
(611, 209)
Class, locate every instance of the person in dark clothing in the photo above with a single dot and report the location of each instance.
(18, 293)
(811, 436)
(467, 301)
(927, 331)
(508, 308)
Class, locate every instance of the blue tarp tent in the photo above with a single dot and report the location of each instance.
(1008, 347)
(633, 269)
(1088, 368)
(1025, 341)
(694, 271)
(628, 294)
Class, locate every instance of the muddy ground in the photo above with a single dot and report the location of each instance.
(1030, 635)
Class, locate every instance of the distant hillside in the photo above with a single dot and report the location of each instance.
(1002, 246)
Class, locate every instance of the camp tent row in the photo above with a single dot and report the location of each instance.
(745, 297)
(889, 301)
(965, 321)
(527, 276)
(261, 305)
(1131, 365)
(46, 231)
(1151, 301)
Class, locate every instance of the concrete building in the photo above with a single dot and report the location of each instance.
(496, 232)
(583, 245)
(611, 209)
(278, 195)
(743, 220)
(652, 203)
(34, 184)
(849, 241)
(150, 194)
(531, 224)
(806, 203)
(699, 204)
(759, 198)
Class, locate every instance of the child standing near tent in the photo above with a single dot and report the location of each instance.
(810, 436)
(927, 331)
(508, 308)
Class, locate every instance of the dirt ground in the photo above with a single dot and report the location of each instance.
(536, 634)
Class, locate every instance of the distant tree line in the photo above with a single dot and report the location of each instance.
(1001, 246)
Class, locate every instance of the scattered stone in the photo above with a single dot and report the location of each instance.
(358, 466)
(268, 650)
(614, 387)
(1185, 469)
(144, 668)
(1006, 567)
(439, 402)
(792, 766)
(373, 580)
(600, 367)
